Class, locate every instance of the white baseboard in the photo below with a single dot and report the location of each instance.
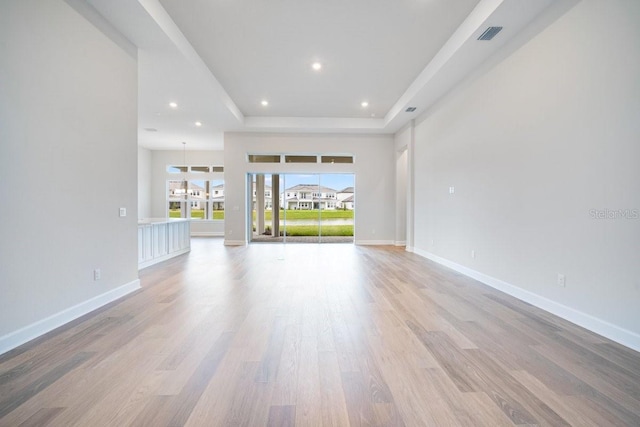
(41, 327)
(400, 243)
(374, 242)
(228, 242)
(409, 248)
(207, 234)
(149, 263)
(613, 332)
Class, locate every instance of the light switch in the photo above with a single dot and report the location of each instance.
(452, 190)
(123, 212)
(562, 280)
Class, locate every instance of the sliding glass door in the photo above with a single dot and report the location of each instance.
(310, 208)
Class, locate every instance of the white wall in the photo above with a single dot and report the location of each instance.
(402, 141)
(68, 154)
(160, 159)
(374, 168)
(531, 148)
(144, 182)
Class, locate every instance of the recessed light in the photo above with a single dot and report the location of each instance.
(198, 124)
(173, 105)
(364, 104)
(316, 66)
(264, 102)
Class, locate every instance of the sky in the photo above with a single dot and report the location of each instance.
(336, 181)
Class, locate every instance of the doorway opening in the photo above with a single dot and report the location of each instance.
(301, 208)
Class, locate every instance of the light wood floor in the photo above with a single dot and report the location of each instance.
(317, 335)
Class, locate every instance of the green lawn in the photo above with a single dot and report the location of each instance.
(290, 214)
(292, 230)
(312, 214)
(313, 230)
(196, 214)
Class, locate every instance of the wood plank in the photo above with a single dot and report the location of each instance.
(317, 335)
(12, 401)
(250, 404)
(282, 416)
(268, 369)
(308, 394)
(576, 416)
(42, 418)
(284, 392)
(333, 405)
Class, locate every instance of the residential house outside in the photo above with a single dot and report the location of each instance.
(196, 195)
(217, 197)
(308, 197)
(345, 199)
(203, 199)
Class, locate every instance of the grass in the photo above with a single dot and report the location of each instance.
(290, 214)
(292, 230)
(196, 214)
(311, 214)
(314, 230)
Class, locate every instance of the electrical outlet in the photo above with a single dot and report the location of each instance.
(452, 190)
(97, 274)
(562, 280)
(473, 254)
(123, 212)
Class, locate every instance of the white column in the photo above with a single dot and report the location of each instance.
(260, 203)
(275, 201)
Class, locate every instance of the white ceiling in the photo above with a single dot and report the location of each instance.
(218, 59)
(370, 50)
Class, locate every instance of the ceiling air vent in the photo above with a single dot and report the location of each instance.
(410, 109)
(151, 129)
(489, 33)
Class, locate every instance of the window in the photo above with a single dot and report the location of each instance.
(177, 169)
(301, 159)
(200, 169)
(217, 169)
(217, 199)
(337, 159)
(198, 199)
(264, 158)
